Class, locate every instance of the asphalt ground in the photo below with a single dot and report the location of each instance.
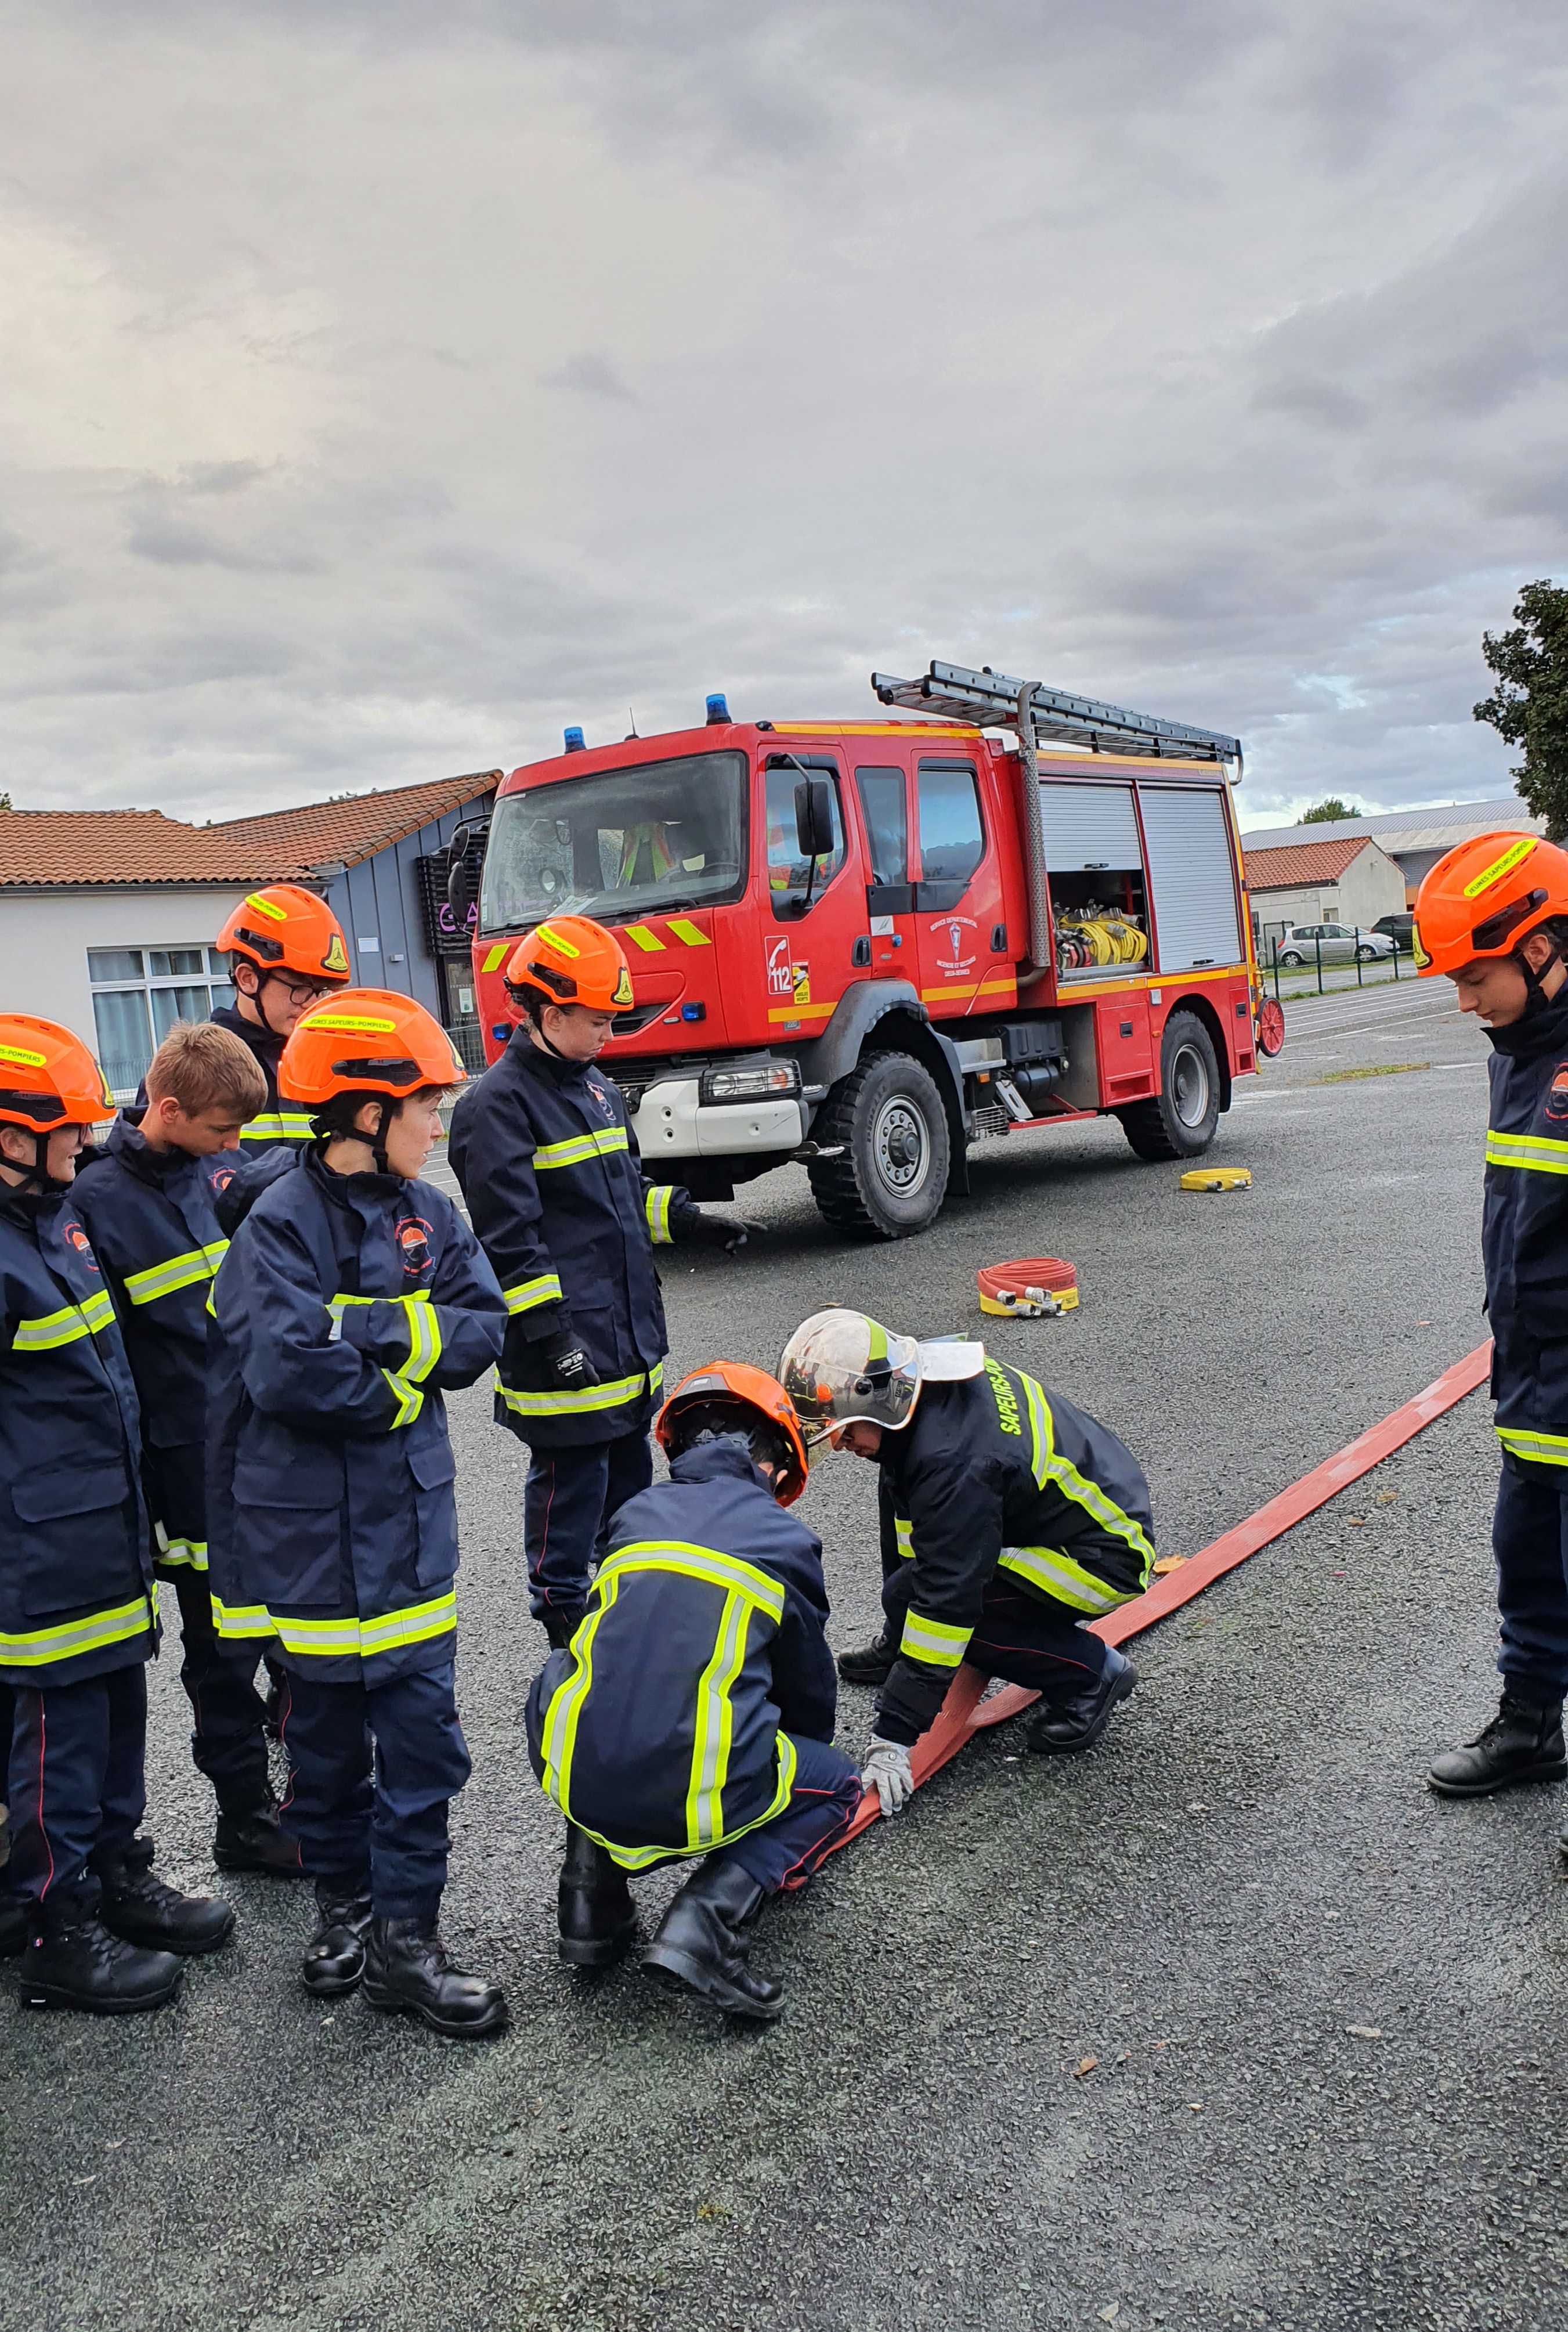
(1326, 2009)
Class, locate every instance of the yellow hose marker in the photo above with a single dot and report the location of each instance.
(1218, 1178)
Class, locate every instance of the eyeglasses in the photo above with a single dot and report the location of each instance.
(302, 991)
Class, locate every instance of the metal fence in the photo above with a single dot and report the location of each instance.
(1294, 971)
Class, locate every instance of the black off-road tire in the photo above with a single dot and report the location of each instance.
(1181, 1120)
(892, 1178)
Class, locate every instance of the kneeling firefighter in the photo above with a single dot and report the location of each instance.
(693, 1711)
(1009, 1518)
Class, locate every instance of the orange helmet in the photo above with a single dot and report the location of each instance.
(1483, 896)
(571, 961)
(285, 929)
(48, 1078)
(367, 1040)
(730, 1397)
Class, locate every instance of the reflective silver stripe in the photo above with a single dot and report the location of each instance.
(179, 1271)
(904, 1538)
(581, 1147)
(278, 1125)
(66, 1326)
(242, 1623)
(1067, 1581)
(1539, 1449)
(587, 1400)
(348, 1637)
(410, 1400)
(934, 1641)
(41, 1648)
(1537, 1153)
(1048, 1466)
(192, 1551)
(715, 1723)
(657, 1209)
(545, 1290)
(725, 1571)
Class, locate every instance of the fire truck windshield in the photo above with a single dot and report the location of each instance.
(619, 845)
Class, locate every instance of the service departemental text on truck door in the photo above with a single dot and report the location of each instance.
(866, 945)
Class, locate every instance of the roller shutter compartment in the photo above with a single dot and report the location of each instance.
(1088, 827)
(1189, 874)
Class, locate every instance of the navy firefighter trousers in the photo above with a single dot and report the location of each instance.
(784, 1853)
(570, 1499)
(1530, 1541)
(372, 1769)
(1036, 1643)
(77, 1791)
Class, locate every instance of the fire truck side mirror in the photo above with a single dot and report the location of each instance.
(814, 817)
(457, 894)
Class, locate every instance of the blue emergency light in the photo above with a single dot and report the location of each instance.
(575, 742)
(718, 713)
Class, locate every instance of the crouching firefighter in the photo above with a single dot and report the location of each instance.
(1493, 916)
(78, 1607)
(569, 1221)
(351, 1294)
(1009, 1518)
(693, 1712)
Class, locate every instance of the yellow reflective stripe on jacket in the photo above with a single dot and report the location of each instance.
(642, 1858)
(545, 1290)
(586, 1399)
(560, 1721)
(190, 1550)
(177, 1271)
(656, 1205)
(66, 1326)
(410, 1400)
(1537, 1153)
(424, 1347)
(1058, 1576)
(278, 1125)
(346, 1637)
(581, 1147)
(42, 1648)
(1048, 1466)
(706, 1562)
(1540, 1448)
(934, 1641)
(904, 1538)
(716, 1727)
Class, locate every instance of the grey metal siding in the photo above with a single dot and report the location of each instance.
(1190, 876)
(379, 899)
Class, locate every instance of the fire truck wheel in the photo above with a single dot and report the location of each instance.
(892, 1177)
(1180, 1122)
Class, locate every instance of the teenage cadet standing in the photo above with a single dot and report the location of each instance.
(693, 1712)
(1009, 1518)
(147, 1202)
(569, 1221)
(78, 1607)
(1493, 916)
(350, 1296)
(285, 948)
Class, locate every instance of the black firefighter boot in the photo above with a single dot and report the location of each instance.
(702, 1942)
(871, 1663)
(1524, 1743)
(252, 1838)
(140, 1909)
(334, 1958)
(72, 1960)
(1064, 1727)
(406, 1969)
(598, 1923)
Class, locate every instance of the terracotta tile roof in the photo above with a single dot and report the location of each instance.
(73, 850)
(1300, 863)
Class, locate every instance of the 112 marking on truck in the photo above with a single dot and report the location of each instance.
(867, 945)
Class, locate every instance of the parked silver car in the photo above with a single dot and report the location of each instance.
(1339, 942)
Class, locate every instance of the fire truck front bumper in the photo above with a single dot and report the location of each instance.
(673, 1120)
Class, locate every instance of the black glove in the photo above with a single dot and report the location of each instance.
(729, 1231)
(566, 1361)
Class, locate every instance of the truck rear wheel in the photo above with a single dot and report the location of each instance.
(1180, 1122)
(892, 1177)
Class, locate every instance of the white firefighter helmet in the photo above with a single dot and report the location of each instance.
(840, 1366)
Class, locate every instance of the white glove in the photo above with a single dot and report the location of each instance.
(887, 1771)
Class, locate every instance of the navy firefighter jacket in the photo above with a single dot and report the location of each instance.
(1525, 1233)
(76, 1593)
(557, 1195)
(993, 1472)
(343, 1306)
(664, 1729)
(150, 1216)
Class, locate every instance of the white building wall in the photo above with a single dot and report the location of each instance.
(44, 939)
(1372, 886)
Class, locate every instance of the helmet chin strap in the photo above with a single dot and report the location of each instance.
(36, 1180)
(1536, 998)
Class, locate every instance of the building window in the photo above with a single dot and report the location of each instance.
(138, 994)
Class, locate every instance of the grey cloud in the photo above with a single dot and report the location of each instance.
(590, 374)
(171, 542)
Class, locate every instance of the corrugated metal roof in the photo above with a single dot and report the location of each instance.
(1437, 827)
(73, 849)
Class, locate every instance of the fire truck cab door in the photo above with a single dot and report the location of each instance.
(882, 793)
(958, 903)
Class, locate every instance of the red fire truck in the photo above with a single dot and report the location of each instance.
(867, 945)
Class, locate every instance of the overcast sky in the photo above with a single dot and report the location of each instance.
(384, 386)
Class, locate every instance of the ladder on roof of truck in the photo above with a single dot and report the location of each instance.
(990, 700)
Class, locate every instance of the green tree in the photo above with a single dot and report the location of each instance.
(1324, 813)
(1530, 705)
